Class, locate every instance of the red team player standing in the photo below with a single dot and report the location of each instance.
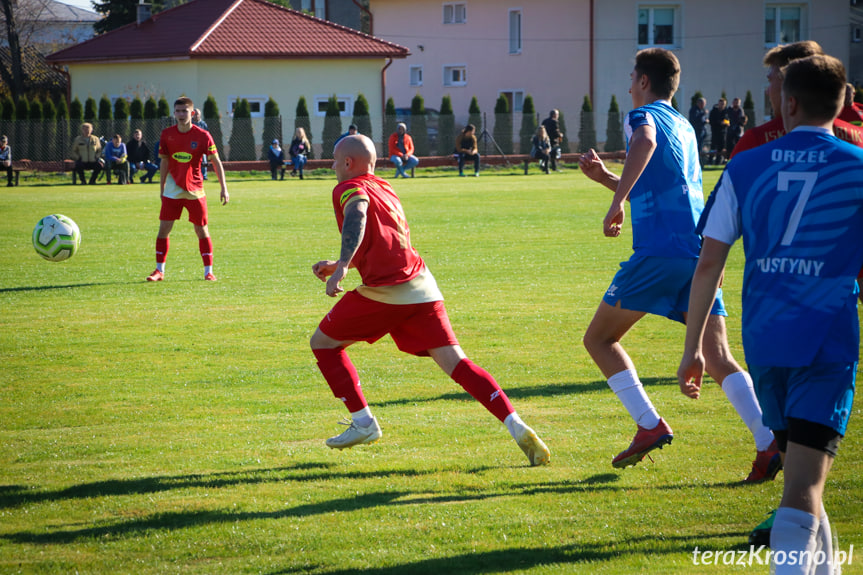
(398, 296)
(181, 148)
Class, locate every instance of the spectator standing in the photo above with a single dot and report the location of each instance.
(276, 157)
(198, 120)
(736, 124)
(298, 151)
(116, 160)
(85, 153)
(139, 158)
(401, 150)
(718, 129)
(6, 159)
(541, 147)
(466, 149)
(555, 136)
(698, 119)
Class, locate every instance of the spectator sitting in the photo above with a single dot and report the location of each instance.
(541, 148)
(401, 150)
(139, 158)
(466, 149)
(276, 157)
(6, 159)
(115, 160)
(85, 154)
(352, 130)
(298, 151)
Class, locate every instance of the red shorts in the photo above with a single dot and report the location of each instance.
(416, 328)
(172, 209)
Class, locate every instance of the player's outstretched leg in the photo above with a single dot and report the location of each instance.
(482, 386)
(342, 377)
(602, 342)
(652, 431)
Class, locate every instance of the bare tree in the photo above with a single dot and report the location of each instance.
(13, 75)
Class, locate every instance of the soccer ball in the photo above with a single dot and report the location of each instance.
(56, 238)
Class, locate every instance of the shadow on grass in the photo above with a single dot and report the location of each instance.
(527, 392)
(508, 560)
(69, 286)
(18, 495)
(171, 521)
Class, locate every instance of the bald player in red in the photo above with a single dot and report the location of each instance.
(398, 296)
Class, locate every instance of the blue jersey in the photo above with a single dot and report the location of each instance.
(798, 204)
(667, 199)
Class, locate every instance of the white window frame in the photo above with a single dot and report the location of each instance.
(777, 31)
(454, 13)
(322, 101)
(515, 30)
(447, 75)
(415, 76)
(677, 23)
(516, 97)
(253, 99)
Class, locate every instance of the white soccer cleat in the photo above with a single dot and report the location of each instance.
(536, 451)
(356, 435)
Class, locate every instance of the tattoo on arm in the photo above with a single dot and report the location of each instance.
(353, 230)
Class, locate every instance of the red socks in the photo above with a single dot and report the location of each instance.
(482, 386)
(161, 250)
(206, 247)
(342, 377)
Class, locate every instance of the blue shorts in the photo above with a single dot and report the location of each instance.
(822, 393)
(659, 286)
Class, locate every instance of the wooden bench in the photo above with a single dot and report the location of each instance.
(20, 166)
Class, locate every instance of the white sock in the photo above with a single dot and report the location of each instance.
(160, 266)
(208, 270)
(793, 531)
(514, 424)
(824, 545)
(628, 389)
(740, 392)
(362, 417)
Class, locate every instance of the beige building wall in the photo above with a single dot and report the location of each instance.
(256, 80)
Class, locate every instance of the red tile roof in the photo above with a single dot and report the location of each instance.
(229, 29)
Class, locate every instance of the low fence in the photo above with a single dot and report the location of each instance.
(248, 139)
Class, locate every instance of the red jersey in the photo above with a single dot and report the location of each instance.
(385, 256)
(184, 152)
(775, 129)
(852, 114)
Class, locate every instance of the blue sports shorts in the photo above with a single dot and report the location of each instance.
(655, 285)
(822, 393)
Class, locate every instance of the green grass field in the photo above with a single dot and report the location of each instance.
(178, 427)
